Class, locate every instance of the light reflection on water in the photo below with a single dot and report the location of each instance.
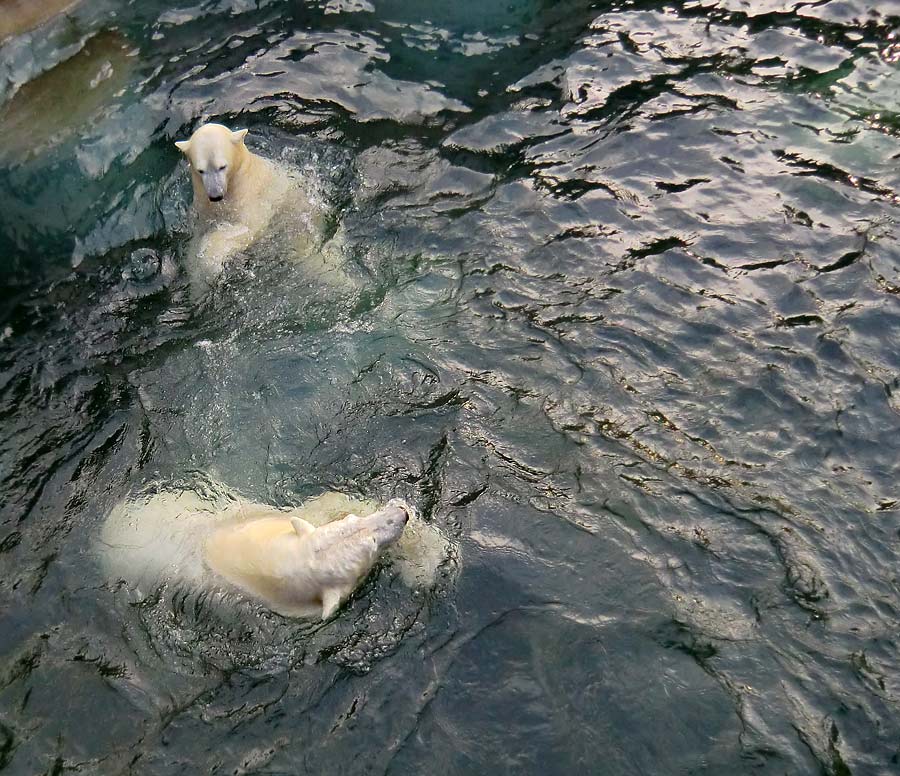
(626, 282)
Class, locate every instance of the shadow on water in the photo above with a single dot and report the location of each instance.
(622, 327)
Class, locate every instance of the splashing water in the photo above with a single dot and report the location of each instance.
(623, 279)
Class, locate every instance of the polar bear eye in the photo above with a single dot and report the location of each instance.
(201, 171)
(222, 167)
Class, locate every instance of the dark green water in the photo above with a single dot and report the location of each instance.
(627, 333)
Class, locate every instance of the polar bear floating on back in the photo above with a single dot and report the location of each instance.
(237, 194)
(298, 562)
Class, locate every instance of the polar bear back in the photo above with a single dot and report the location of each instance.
(257, 556)
(290, 565)
(178, 537)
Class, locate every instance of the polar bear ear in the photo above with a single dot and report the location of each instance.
(301, 527)
(183, 145)
(238, 136)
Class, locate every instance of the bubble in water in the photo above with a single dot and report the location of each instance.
(143, 265)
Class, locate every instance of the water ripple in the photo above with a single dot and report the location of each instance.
(624, 283)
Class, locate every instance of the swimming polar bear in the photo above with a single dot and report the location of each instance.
(236, 196)
(298, 569)
(299, 562)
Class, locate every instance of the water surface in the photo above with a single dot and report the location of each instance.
(624, 331)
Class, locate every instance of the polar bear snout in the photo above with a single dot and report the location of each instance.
(387, 524)
(400, 509)
(395, 514)
(399, 512)
(215, 184)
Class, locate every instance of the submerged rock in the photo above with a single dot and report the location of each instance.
(18, 16)
(46, 111)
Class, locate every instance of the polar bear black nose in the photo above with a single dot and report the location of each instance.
(216, 199)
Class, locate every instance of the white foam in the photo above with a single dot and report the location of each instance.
(419, 553)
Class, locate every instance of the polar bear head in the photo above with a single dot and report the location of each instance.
(215, 154)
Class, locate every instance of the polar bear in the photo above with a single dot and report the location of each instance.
(297, 569)
(298, 562)
(236, 196)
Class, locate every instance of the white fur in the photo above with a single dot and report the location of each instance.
(299, 562)
(236, 195)
(298, 569)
